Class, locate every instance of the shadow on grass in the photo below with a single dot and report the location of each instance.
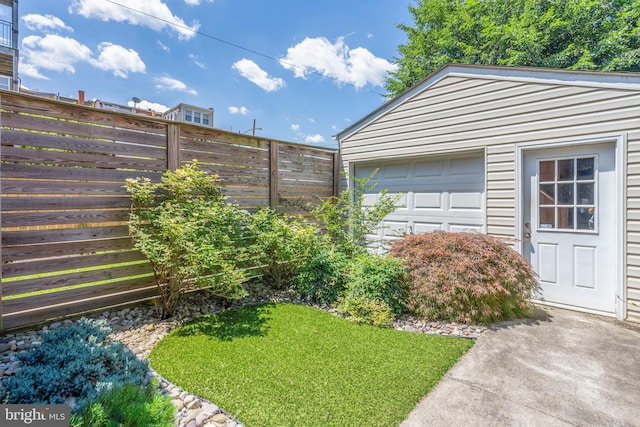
(241, 322)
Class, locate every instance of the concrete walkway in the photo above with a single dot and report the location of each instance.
(561, 368)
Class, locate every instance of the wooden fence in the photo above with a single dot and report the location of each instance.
(63, 207)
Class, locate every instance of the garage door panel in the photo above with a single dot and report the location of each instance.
(428, 201)
(401, 203)
(428, 169)
(466, 228)
(395, 172)
(467, 167)
(395, 229)
(466, 200)
(426, 227)
(369, 199)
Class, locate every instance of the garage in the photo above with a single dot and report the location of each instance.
(546, 159)
(438, 193)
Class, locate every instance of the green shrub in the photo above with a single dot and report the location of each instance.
(348, 221)
(465, 277)
(363, 310)
(376, 289)
(379, 278)
(189, 233)
(279, 245)
(75, 361)
(127, 405)
(322, 276)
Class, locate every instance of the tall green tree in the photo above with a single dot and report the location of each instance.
(573, 34)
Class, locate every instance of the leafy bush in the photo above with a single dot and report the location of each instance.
(346, 218)
(75, 361)
(189, 234)
(127, 405)
(363, 310)
(322, 276)
(465, 277)
(278, 244)
(376, 290)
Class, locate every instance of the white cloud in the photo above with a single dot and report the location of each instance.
(168, 83)
(196, 2)
(316, 138)
(135, 12)
(53, 52)
(148, 105)
(252, 72)
(239, 110)
(163, 46)
(337, 61)
(57, 53)
(44, 23)
(30, 70)
(195, 60)
(119, 60)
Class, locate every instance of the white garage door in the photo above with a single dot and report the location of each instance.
(439, 193)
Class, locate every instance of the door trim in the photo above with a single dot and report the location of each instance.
(620, 144)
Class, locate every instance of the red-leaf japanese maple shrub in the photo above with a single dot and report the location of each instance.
(465, 277)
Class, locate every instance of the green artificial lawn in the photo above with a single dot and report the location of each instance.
(293, 365)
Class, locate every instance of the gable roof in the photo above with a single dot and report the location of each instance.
(601, 79)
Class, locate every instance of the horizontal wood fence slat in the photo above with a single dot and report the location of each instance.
(47, 250)
(63, 204)
(76, 278)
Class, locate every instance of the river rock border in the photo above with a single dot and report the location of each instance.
(140, 329)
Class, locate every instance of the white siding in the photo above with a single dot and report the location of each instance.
(460, 112)
(633, 225)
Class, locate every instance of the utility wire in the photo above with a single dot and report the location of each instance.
(237, 46)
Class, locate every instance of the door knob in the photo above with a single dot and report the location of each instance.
(527, 235)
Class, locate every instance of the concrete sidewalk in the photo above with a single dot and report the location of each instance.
(561, 368)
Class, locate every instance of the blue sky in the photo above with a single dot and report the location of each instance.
(304, 70)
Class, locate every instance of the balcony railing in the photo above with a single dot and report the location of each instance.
(5, 34)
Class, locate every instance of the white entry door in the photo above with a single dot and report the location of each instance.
(570, 224)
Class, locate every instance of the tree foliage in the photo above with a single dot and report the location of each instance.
(189, 233)
(573, 34)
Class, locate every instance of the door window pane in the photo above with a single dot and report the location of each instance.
(565, 194)
(547, 218)
(586, 193)
(547, 171)
(565, 170)
(565, 218)
(586, 168)
(547, 194)
(586, 217)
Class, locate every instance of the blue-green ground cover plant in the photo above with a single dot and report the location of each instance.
(99, 379)
(75, 361)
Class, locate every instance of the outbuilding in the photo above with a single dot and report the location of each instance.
(547, 158)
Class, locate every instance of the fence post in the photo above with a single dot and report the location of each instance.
(273, 174)
(173, 147)
(336, 173)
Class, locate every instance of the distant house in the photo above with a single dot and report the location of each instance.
(190, 114)
(9, 46)
(547, 158)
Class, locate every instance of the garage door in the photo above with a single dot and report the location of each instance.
(443, 193)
